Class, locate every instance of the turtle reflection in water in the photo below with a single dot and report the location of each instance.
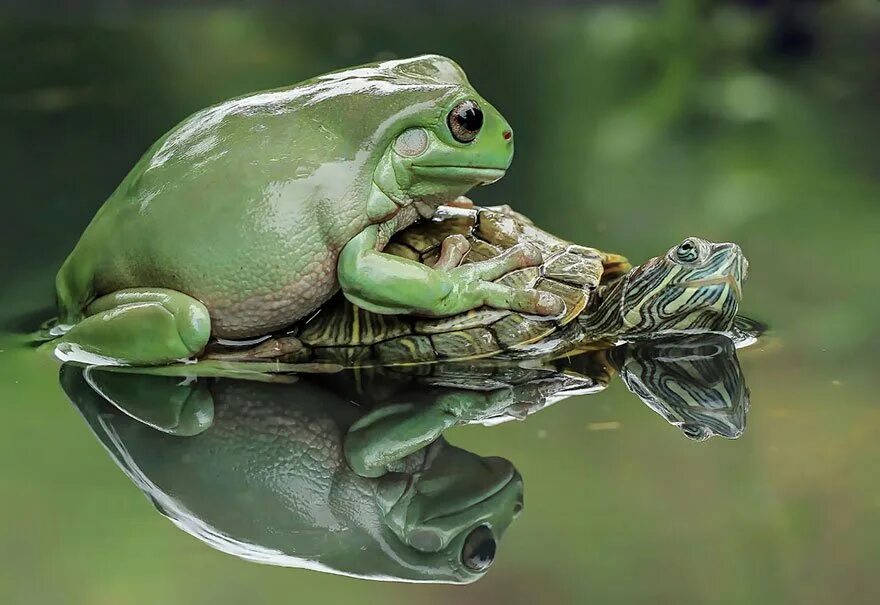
(287, 470)
(695, 287)
(694, 382)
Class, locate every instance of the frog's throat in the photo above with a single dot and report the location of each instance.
(386, 196)
(388, 192)
(380, 205)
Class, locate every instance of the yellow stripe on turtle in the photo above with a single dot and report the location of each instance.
(406, 349)
(342, 323)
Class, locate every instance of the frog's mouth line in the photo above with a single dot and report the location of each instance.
(481, 174)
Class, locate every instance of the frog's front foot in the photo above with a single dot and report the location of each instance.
(452, 251)
(141, 326)
(455, 247)
(382, 283)
(472, 285)
(384, 436)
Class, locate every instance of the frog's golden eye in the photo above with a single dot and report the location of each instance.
(465, 121)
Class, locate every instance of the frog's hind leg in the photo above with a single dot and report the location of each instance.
(142, 326)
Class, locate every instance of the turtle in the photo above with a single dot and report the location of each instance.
(694, 287)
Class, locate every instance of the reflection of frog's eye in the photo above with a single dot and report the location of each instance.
(465, 121)
(479, 549)
(688, 251)
(518, 507)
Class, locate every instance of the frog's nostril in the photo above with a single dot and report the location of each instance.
(507, 135)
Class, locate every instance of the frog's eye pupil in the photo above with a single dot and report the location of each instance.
(465, 121)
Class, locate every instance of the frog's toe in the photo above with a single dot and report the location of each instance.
(452, 251)
(534, 302)
(527, 255)
(517, 257)
(545, 303)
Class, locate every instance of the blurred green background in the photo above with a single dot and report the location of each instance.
(636, 124)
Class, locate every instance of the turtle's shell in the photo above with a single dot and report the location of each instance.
(346, 334)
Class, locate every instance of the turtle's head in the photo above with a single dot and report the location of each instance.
(694, 382)
(695, 287)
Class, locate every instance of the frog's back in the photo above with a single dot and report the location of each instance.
(245, 205)
(213, 211)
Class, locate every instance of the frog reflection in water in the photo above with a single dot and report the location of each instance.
(249, 215)
(268, 481)
(290, 472)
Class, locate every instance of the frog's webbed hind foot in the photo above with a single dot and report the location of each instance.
(141, 326)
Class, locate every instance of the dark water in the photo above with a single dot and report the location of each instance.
(636, 126)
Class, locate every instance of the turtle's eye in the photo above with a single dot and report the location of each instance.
(688, 251)
(465, 121)
(479, 549)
